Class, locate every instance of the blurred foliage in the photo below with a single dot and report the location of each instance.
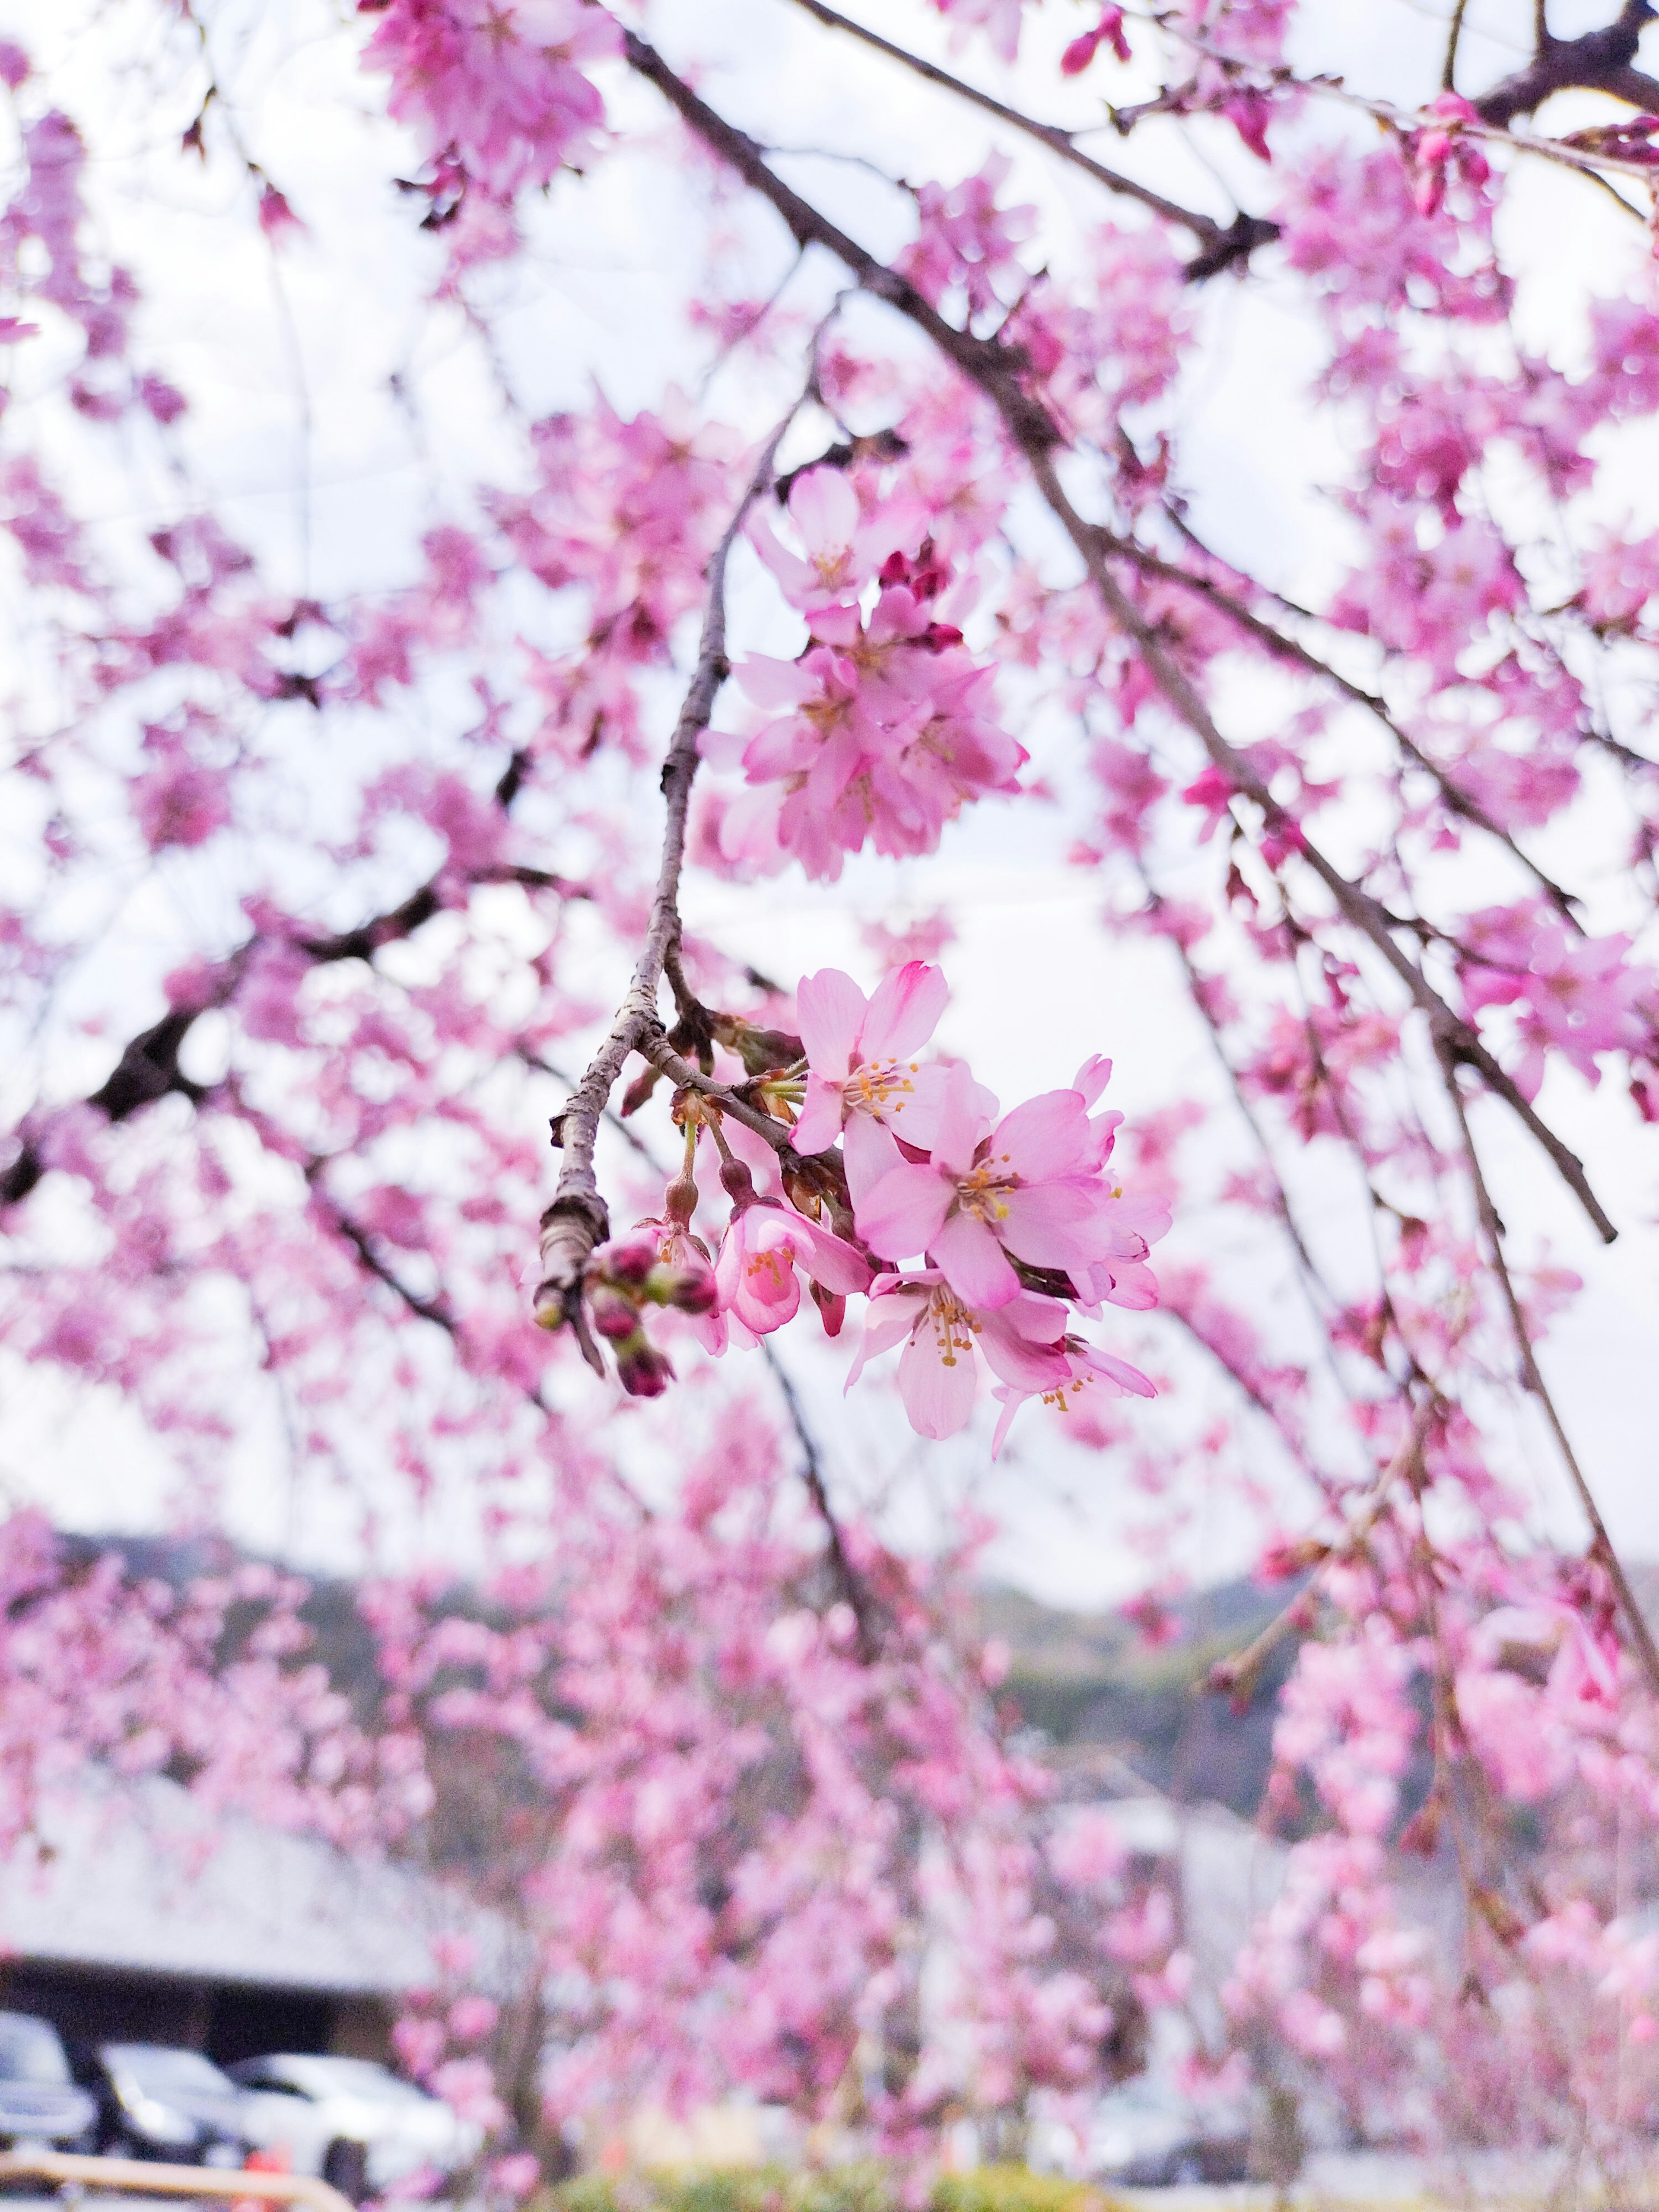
(870, 2188)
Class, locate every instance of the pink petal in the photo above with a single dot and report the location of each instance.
(819, 1124)
(1011, 1356)
(830, 1010)
(974, 1264)
(824, 509)
(939, 1399)
(1119, 1372)
(772, 682)
(827, 1260)
(961, 1123)
(1057, 1225)
(891, 1315)
(904, 1212)
(905, 1012)
(1047, 1136)
(1011, 1400)
(1093, 1078)
(868, 1152)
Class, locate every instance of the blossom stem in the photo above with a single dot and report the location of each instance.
(577, 1218)
(1602, 1548)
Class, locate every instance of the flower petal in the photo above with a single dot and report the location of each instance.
(820, 1117)
(1048, 1135)
(974, 1264)
(868, 1151)
(904, 1212)
(830, 1008)
(937, 1384)
(961, 1120)
(904, 1011)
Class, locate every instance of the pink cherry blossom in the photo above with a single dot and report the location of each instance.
(1030, 1188)
(754, 1270)
(860, 1079)
(1021, 1340)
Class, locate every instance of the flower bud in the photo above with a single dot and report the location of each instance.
(642, 1369)
(626, 1260)
(690, 1286)
(612, 1312)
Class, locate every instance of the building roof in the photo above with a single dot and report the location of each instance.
(140, 1878)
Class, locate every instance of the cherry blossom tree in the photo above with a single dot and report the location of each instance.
(336, 870)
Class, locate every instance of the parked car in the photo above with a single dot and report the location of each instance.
(40, 2107)
(155, 2101)
(352, 2122)
(1146, 2135)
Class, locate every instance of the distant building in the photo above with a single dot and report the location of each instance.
(141, 1917)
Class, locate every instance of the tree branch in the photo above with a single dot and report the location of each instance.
(1641, 1636)
(996, 370)
(1220, 244)
(577, 1219)
(1599, 60)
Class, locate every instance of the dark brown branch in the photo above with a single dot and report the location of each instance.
(997, 371)
(1449, 72)
(848, 1581)
(1641, 1636)
(1284, 647)
(577, 1219)
(1599, 60)
(1220, 244)
(148, 1066)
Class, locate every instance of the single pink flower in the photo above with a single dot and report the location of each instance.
(1030, 1187)
(1088, 1367)
(861, 1076)
(759, 1290)
(842, 550)
(1023, 1341)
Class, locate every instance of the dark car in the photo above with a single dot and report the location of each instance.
(39, 2104)
(155, 2101)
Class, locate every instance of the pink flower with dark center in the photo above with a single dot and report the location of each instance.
(1031, 1189)
(1021, 1341)
(861, 1078)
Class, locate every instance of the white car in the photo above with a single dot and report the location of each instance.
(353, 2123)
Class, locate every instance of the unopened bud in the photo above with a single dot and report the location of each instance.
(612, 1312)
(642, 1369)
(625, 1260)
(738, 1183)
(690, 1287)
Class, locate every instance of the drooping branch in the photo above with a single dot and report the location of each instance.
(998, 371)
(1597, 61)
(148, 1068)
(577, 1218)
(1601, 1547)
(1220, 245)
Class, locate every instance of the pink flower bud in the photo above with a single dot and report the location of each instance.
(612, 1312)
(690, 1287)
(625, 1260)
(642, 1369)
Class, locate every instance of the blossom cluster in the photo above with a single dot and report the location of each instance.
(973, 1234)
(885, 724)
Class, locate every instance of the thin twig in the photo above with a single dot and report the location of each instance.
(1449, 73)
(1602, 1548)
(577, 1220)
(1220, 243)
